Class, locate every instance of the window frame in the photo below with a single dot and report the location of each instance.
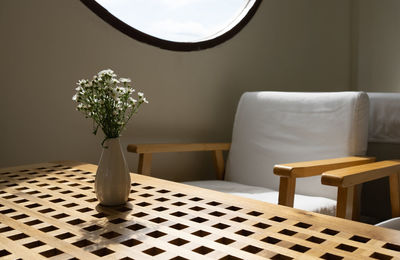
(104, 14)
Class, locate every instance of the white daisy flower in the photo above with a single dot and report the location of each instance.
(108, 101)
(124, 80)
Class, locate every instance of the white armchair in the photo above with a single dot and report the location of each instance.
(272, 128)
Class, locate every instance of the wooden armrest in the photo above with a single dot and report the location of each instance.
(312, 168)
(351, 176)
(289, 172)
(162, 148)
(346, 180)
(145, 152)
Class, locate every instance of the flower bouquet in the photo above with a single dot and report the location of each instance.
(110, 103)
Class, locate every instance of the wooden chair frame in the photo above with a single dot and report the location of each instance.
(347, 180)
(145, 152)
(288, 172)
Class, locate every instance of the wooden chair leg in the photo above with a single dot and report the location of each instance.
(219, 164)
(144, 166)
(356, 202)
(394, 194)
(345, 200)
(287, 187)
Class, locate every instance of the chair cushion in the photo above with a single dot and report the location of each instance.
(283, 127)
(384, 118)
(393, 223)
(309, 203)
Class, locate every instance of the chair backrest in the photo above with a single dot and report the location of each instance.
(384, 144)
(283, 127)
(384, 118)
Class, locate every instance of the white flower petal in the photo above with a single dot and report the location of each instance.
(124, 80)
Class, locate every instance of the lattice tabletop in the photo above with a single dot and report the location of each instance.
(49, 210)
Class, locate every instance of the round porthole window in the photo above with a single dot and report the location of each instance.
(181, 25)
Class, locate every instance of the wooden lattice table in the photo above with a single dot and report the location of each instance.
(49, 210)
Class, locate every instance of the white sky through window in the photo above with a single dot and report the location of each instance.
(179, 20)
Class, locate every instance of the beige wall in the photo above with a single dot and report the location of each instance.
(47, 45)
(378, 52)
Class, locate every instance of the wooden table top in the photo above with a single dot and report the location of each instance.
(49, 210)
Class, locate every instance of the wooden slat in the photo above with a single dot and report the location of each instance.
(356, 209)
(219, 163)
(12, 247)
(162, 148)
(311, 168)
(144, 166)
(394, 194)
(344, 208)
(351, 176)
(165, 220)
(287, 187)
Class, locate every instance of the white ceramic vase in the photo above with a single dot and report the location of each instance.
(113, 181)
